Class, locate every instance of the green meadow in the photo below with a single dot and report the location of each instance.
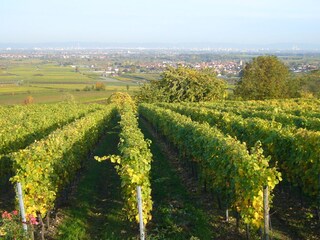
(138, 77)
(53, 82)
(42, 73)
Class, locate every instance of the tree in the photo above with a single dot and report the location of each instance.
(118, 98)
(28, 100)
(310, 83)
(264, 77)
(150, 92)
(100, 86)
(184, 84)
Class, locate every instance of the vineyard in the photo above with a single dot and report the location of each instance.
(211, 170)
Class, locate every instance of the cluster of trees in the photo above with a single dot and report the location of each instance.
(183, 84)
(265, 77)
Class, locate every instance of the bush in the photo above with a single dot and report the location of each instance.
(11, 227)
(28, 100)
(119, 98)
(100, 86)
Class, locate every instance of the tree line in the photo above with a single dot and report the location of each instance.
(265, 77)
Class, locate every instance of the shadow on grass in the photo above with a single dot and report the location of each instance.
(7, 192)
(176, 215)
(96, 211)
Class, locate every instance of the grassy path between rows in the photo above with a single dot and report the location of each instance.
(176, 215)
(179, 211)
(291, 225)
(96, 211)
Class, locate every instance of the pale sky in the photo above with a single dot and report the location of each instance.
(162, 21)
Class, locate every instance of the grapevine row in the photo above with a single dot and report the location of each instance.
(297, 107)
(285, 104)
(285, 118)
(297, 150)
(133, 164)
(47, 166)
(225, 163)
(22, 125)
(310, 123)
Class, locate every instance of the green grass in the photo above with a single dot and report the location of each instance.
(12, 89)
(47, 93)
(42, 73)
(50, 82)
(137, 77)
(57, 96)
(176, 215)
(96, 211)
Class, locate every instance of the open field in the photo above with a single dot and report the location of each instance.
(52, 82)
(11, 89)
(41, 73)
(51, 96)
(137, 77)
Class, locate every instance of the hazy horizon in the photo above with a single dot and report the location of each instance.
(159, 45)
(239, 22)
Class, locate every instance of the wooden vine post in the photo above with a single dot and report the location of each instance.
(266, 213)
(227, 215)
(141, 225)
(21, 205)
(318, 205)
